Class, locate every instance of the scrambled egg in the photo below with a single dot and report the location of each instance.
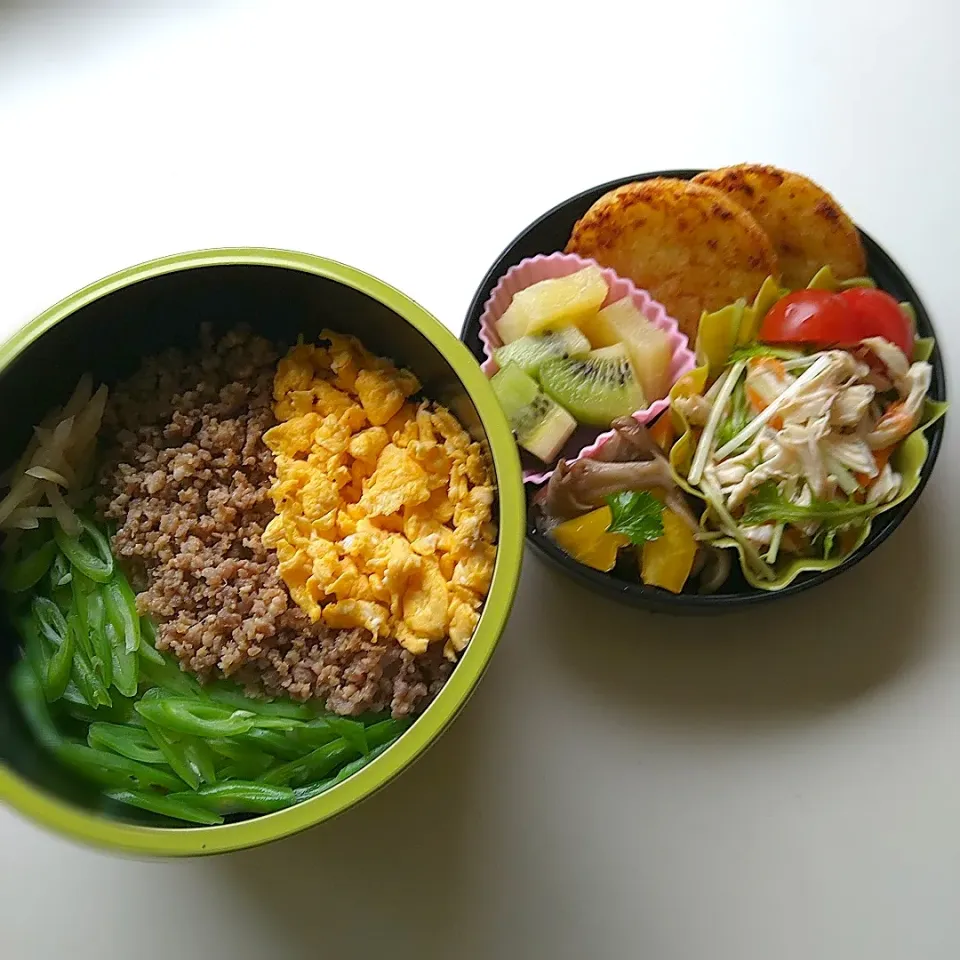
(383, 506)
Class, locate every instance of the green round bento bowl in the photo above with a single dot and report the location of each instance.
(107, 328)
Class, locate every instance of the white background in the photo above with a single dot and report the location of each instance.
(781, 785)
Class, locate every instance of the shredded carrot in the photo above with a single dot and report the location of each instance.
(662, 431)
(893, 414)
(756, 401)
(774, 363)
(880, 458)
(759, 404)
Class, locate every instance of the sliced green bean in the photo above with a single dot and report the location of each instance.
(124, 663)
(328, 758)
(274, 723)
(28, 693)
(148, 642)
(113, 770)
(95, 617)
(169, 806)
(34, 647)
(279, 744)
(169, 678)
(90, 685)
(312, 790)
(21, 571)
(174, 755)
(351, 730)
(387, 730)
(201, 758)
(315, 734)
(63, 598)
(50, 620)
(228, 694)
(120, 712)
(76, 701)
(78, 617)
(195, 717)
(82, 638)
(240, 796)
(121, 607)
(201, 718)
(245, 762)
(97, 564)
(59, 667)
(312, 766)
(234, 749)
(245, 769)
(132, 742)
(61, 572)
(58, 648)
(80, 586)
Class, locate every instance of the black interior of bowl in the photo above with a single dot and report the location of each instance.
(110, 338)
(550, 234)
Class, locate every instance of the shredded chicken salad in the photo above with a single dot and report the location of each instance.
(794, 445)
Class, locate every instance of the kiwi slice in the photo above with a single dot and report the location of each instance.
(529, 353)
(596, 388)
(540, 425)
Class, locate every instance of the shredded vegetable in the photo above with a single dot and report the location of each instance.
(769, 411)
(58, 458)
(795, 459)
(729, 381)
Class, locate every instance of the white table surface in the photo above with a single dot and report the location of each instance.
(779, 785)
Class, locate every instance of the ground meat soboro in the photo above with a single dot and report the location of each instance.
(187, 482)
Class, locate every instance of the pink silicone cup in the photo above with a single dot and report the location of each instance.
(546, 267)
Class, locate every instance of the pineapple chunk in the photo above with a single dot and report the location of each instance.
(598, 329)
(648, 345)
(513, 324)
(554, 303)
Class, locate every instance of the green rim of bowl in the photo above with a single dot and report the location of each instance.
(175, 841)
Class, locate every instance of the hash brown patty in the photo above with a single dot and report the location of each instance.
(689, 245)
(808, 228)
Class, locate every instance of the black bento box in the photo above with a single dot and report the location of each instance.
(549, 233)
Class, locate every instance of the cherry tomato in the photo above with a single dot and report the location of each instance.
(811, 316)
(841, 319)
(879, 315)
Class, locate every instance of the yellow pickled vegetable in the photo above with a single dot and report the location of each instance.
(753, 315)
(717, 336)
(681, 453)
(666, 562)
(586, 539)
